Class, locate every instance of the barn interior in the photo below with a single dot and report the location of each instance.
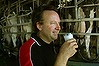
(79, 17)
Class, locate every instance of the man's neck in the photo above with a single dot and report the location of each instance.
(46, 41)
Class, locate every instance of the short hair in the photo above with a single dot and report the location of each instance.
(37, 14)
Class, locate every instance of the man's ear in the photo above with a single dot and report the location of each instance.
(39, 26)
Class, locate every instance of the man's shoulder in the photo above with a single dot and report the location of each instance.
(28, 43)
(31, 42)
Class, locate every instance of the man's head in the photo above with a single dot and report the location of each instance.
(37, 14)
(46, 23)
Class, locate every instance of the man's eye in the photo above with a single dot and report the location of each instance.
(52, 23)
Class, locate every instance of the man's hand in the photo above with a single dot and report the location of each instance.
(67, 50)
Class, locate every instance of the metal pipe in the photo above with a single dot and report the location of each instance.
(81, 33)
(16, 25)
(16, 33)
(79, 20)
(89, 5)
(94, 34)
(33, 4)
(76, 11)
(79, 2)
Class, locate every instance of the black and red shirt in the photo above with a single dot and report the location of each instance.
(35, 52)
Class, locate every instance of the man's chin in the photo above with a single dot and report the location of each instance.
(55, 37)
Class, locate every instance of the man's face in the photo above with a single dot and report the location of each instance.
(50, 27)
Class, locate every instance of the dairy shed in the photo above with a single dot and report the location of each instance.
(79, 17)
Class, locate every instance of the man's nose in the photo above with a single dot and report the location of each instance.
(58, 26)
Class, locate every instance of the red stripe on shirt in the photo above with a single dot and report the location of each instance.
(25, 53)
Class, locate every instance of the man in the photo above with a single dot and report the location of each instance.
(39, 49)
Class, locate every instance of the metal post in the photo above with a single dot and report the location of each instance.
(76, 6)
(33, 4)
(97, 16)
(19, 5)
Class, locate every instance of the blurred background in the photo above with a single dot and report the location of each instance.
(79, 17)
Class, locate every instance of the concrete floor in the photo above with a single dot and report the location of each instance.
(73, 63)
